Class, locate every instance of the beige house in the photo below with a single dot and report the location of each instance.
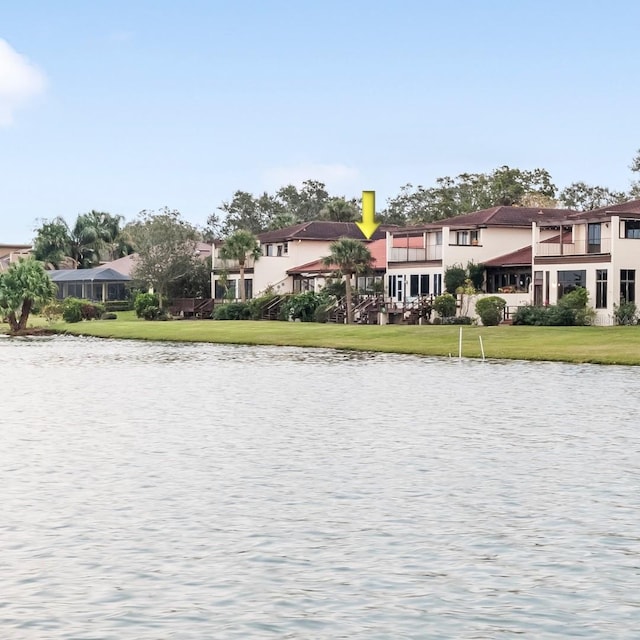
(284, 251)
(417, 257)
(12, 253)
(598, 250)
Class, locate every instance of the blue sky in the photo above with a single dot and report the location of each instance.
(124, 105)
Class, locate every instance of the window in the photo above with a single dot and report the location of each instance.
(438, 236)
(569, 280)
(601, 288)
(632, 229)
(593, 235)
(437, 284)
(248, 288)
(285, 249)
(627, 285)
(424, 284)
(268, 250)
(466, 237)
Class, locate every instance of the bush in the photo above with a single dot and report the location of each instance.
(455, 320)
(72, 310)
(321, 314)
(232, 311)
(302, 306)
(109, 316)
(142, 302)
(258, 305)
(118, 305)
(530, 315)
(445, 305)
(553, 316)
(454, 278)
(576, 301)
(625, 313)
(154, 313)
(52, 311)
(91, 311)
(491, 310)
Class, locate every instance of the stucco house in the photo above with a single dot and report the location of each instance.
(12, 253)
(417, 257)
(598, 250)
(284, 252)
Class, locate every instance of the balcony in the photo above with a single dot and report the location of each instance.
(579, 248)
(412, 254)
(231, 265)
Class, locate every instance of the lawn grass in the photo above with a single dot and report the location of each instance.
(601, 345)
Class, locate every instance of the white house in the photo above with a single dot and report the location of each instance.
(598, 250)
(284, 251)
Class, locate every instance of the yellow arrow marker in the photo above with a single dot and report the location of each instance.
(368, 225)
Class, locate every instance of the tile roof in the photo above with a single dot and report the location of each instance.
(631, 208)
(377, 248)
(318, 230)
(495, 217)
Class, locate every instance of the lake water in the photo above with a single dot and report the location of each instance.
(155, 491)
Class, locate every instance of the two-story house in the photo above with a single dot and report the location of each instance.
(598, 250)
(284, 251)
(417, 257)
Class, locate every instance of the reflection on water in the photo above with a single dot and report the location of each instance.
(204, 491)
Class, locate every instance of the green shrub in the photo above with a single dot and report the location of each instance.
(154, 313)
(530, 315)
(258, 305)
(552, 316)
(72, 310)
(576, 301)
(445, 305)
(142, 302)
(232, 311)
(90, 310)
(118, 305)
(321, 314)
(52, 311)
(625, 313)
(455, 320)
(302, 306)
(108, 315)
(491, 310)
(454, 278)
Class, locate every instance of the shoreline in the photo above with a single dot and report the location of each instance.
(618, 345)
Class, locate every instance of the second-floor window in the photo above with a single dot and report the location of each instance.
(467, 237)
(593, 238)
(632, 228)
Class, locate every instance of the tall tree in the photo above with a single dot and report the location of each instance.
(467, 192)
(239, 246)
(635, 168)
(166, 248)
(94, 235)
(584, 197)
(22, 286)
(339, 210)
(351, 257)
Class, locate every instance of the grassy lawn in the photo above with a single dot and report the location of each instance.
(603, 345)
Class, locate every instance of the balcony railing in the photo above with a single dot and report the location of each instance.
(580, 248)
(410, 254)
(230, 265)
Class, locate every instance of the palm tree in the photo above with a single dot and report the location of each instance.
(238, 246)
(339, 210)
(351, 257)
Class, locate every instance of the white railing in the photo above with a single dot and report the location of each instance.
(411, 254)
(583, 247)
(219, 264)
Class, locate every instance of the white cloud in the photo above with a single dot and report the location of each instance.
(20, 81)
(337, 177)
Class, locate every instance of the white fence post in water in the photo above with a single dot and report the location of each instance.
(481, 347)
(460, 345)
